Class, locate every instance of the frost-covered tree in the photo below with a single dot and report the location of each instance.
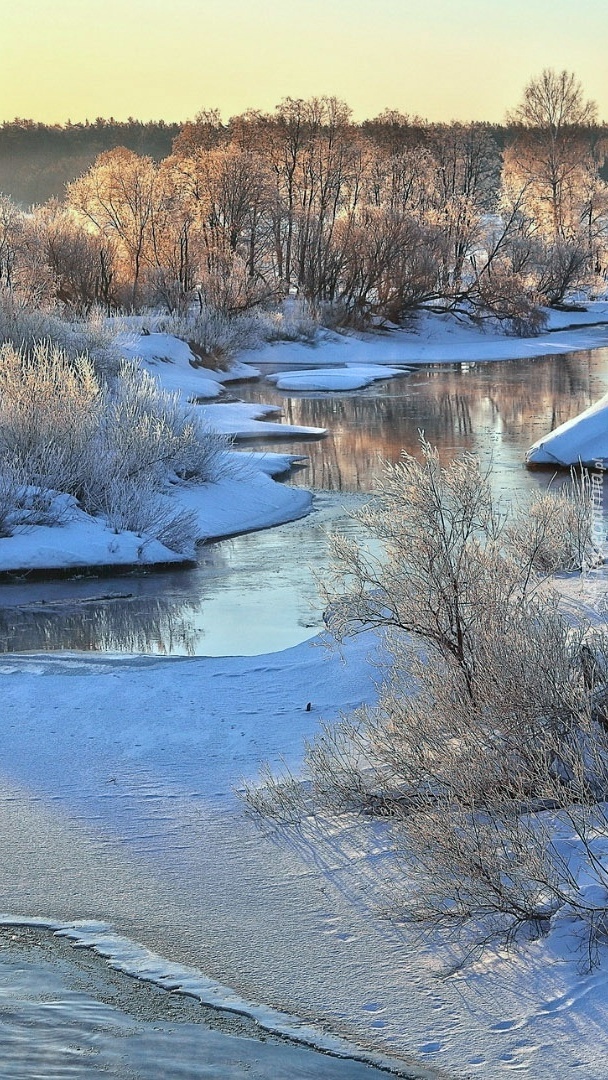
(552, 156)
(490, 734)
(120, 196)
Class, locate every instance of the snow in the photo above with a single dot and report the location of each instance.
(119, 823)
(436, 338)
(245, 498)
(583, 439)
(350, 377)
(248, 499)
(176, 367)
(78, 541)
(52, 1029)
(243, 420)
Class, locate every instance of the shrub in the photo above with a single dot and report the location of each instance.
(114, 446)
(487, 751)
(50, 409)
(26, 327)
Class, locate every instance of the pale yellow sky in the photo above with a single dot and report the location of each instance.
(151, 59)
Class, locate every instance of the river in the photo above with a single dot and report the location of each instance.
(256, 593)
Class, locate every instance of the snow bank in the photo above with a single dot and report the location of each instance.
(243, 420)
(350, 377)
(442, 339)
(176, 367)
(581, 440)
(246, 498)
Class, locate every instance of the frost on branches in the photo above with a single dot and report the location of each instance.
(487, 751)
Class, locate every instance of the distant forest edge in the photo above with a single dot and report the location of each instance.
(363, 222)
(37, 161)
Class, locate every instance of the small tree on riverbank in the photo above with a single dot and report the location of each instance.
(487, 751)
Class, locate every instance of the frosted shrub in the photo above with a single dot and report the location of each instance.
(115, 447)
(26, 327)
(146, 431)
(49, 414)
(213, 335)
(295, 321)
(23, 506)
(216, 336)
(555, 529)
(489, 739)
(138, 507)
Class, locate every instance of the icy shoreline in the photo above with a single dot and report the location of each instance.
(186, 985)
(247, 497)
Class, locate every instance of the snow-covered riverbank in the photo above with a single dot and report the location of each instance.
(65, 1012)
(117, 805)
(245, 497)
(433, 339)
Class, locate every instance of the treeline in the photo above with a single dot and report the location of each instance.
(38, 160)
(363, 221)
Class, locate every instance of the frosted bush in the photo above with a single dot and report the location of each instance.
(295, 321)
(489, 738)
(555, 530)
(146, 430)
(50, 408)
(26, 327)
(138, 507)
(23, 506)
(114, 446)
(216, 336)
(213, 335)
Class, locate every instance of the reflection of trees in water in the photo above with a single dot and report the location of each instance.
(459, 407)
(149, 625)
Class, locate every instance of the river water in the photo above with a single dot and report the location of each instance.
(256, 593)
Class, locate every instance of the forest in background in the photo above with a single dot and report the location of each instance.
(362, 221)
(37, 161)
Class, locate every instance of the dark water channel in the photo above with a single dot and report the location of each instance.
(256, 593)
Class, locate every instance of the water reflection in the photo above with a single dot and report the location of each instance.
(495, 409)
(100, 623)
(250, 594)
(255, 593)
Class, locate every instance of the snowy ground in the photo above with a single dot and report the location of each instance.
(245, 498)
(117, 806)
(64, 1012)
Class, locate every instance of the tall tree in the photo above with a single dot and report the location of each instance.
(119, 196)
(551, 155)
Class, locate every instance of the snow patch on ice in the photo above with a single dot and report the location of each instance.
(581, 440)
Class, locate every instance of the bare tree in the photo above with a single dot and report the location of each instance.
(552, 154)
(493, 715)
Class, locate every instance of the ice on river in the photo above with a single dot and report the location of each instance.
(583, 440)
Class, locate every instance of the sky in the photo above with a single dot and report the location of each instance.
(167, 59)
